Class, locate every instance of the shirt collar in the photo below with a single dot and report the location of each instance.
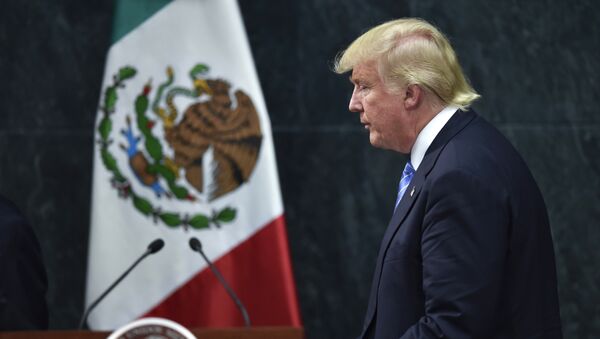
(428, 134)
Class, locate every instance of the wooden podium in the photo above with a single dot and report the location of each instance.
(228, 333)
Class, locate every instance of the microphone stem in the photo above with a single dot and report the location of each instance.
(228, 289)
(95, 303)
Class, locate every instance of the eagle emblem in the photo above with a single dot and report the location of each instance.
(205, 153)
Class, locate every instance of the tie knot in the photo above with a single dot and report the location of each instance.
(407, 175)
(408, 169)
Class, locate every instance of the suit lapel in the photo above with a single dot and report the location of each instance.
(458, 121)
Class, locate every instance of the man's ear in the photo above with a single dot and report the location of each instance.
(413, 96)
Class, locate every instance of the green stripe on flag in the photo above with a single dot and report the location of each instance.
(131, 13)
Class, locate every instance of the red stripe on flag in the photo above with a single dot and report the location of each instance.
(258, 270)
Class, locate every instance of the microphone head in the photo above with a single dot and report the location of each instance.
(195, 244)
(156, 246)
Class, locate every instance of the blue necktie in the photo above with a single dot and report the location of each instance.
(407, 175)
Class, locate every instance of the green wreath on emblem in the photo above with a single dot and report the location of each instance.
(148, 172)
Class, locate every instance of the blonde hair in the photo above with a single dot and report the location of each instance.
(411, 51)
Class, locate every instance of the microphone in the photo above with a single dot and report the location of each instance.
(196, 246)
(153, 247)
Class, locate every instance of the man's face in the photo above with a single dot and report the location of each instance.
(382, 112)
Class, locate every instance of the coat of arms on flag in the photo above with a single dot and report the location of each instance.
(219, 120)
(184, 148)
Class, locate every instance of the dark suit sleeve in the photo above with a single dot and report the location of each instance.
(23, 281)
(463, 249)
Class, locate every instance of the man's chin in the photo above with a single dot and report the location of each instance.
(376, 142)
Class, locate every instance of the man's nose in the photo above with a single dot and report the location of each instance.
(355, 105)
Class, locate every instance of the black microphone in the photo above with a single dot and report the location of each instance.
(197, 247)
(153, 247)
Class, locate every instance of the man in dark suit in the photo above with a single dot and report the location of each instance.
(468, 251)
(23, 281)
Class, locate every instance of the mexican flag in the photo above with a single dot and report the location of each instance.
(184, 149)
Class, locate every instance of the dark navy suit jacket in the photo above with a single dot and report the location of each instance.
(468, 252)
(23, 281)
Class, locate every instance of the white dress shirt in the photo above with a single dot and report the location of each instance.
(428, 133)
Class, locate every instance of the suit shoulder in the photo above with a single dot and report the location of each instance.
(483, 151)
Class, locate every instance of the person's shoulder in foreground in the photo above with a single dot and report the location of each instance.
(23, 281)
(468, 251)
